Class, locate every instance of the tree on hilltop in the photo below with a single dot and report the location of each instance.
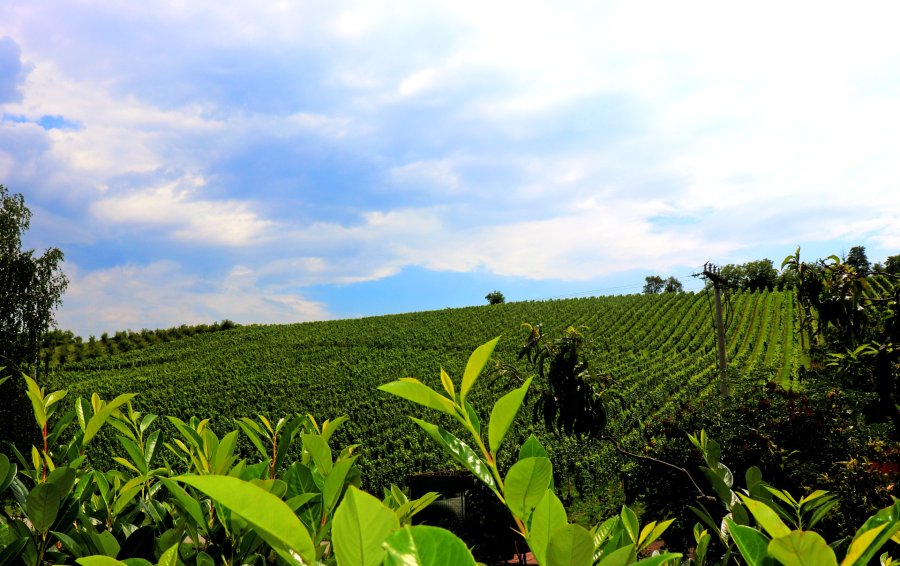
(673, 285)
(495, 298)
(653, 284)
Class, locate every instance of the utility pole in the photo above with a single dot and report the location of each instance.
(714, 274)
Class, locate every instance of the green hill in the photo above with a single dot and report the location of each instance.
(659, 349)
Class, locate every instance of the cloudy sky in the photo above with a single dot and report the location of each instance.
(301, 160)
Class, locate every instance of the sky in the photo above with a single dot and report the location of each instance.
(279, 162)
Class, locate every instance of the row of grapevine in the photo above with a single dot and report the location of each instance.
(660, 351)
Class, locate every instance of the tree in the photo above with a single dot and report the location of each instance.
(754, 275)
(495, 298)
(760, 275)
(654, 284)
(857, 260)
(30, 289)
(673, 285)
(892, 265)
(856, 328)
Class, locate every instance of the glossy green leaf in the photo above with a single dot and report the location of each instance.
(54, 398)
(334, 482)
(169, 557)
(134, 453)
(36, 395)
(548, 515)
(224, 457)
(251, 430)
(476, 363)
(890, 517)
(426, 546)
(460, 451)
(82, 407)
(651, 532)
(754, 545)
(630, 523)
(100, 561)
(414, 390)
(319, 450)
(766, 517)
(619, 557)
(151, 445)
(270, 517)
(361, 524)
(100, 417)
(525, 484)
(802, 548)
(448, 384)
(861, 545)
(504, 414)
(42, 506)
(570, 545)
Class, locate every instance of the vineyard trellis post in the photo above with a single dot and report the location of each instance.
(714, 274)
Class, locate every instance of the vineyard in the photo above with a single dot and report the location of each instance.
(660, 351)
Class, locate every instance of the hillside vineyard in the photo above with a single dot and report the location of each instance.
(659, 349)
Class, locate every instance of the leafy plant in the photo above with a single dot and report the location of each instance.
(525, 489)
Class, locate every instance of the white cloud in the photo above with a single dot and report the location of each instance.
(172, 205)
(164, 294)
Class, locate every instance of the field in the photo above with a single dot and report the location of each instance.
(659, 349)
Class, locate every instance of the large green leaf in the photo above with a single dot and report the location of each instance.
(169, 557)
(319, 450)
(426, 546)
(460, 451)
(525, 484)
(570, 545)
(766, 517)
(224, 457)
(414, 390)
(334, 482)
(96, 421)
(503, 415)
(100, 561)
(474, 366)
(36, 396)
(861, 545)
(864, 545)
(270, 517)
(619, 557)
(361, 524)
(42, 506)
(802, 548)
(754, 545)
(548, 515)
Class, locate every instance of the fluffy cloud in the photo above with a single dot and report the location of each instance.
(163, 294)
(173, 206)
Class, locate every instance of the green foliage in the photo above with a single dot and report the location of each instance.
(758, 275)
(495, 298)
(30, 290)
(653, 284)
(526, 487)
(659, 348)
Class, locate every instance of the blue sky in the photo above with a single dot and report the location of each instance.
(291, 161)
